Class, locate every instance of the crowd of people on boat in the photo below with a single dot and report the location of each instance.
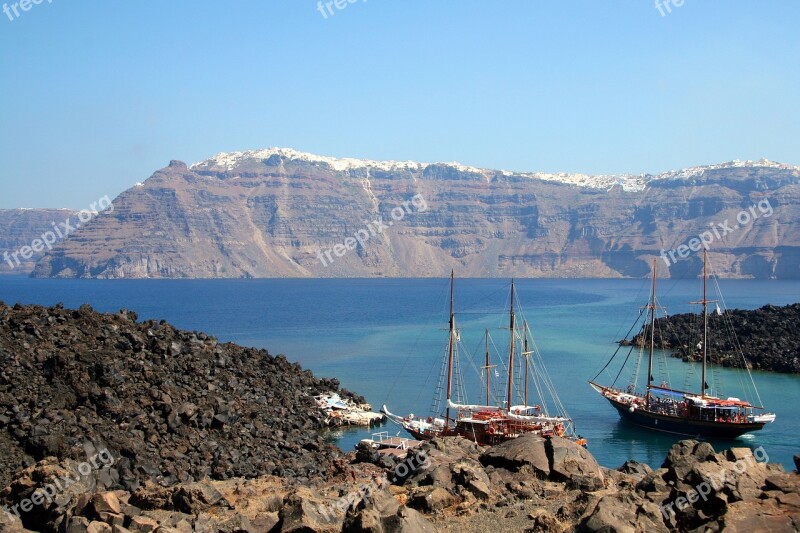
(667, 406)
(673, 407)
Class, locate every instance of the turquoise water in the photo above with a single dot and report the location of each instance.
(384, 338)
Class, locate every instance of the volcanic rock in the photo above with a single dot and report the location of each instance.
(768, 338)
(136, 402)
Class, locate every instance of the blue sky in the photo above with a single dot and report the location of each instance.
(97, 95)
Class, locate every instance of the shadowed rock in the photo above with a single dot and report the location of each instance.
(573, 464)
(528, 452)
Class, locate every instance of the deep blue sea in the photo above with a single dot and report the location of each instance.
(384, 338)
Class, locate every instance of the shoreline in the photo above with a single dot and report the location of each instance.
(199, 431)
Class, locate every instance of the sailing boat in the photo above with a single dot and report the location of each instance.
(491, 424)
(675, 411)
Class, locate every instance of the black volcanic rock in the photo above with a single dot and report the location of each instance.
(769, 337)
(453, 485)
(172, 406)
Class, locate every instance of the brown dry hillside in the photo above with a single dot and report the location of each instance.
(269, 213)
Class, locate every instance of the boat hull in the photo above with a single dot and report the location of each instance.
(478, 435)
(682, 425)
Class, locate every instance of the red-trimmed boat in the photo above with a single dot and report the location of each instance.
(490, 424)
(663, 408)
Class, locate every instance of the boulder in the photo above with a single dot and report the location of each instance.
(624, 512)
(142, 524)
(10, 523)
(682, 457)
(756, 515)
(106, 502)
(77, 524)
(574, 465)
(655, 484)
(304, 511)
(635, 468)
(431, 499)
(265, 521)
(688, 449)
(739, 454)
(480, 489)
(36, 480)
(98, 527)
(527, 453)
(382, 513)
(450, 465)
(408, 521)
(196, 497)
(784, 481)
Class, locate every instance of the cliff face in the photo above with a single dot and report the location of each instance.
(20, 227)
(281, 213)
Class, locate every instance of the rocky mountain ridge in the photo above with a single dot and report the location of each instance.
(20, 227)
(283, 213)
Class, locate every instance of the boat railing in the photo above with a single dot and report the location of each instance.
(383, 438)
(380, 436)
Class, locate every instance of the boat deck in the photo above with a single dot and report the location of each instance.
(398, 442)
(393, 445)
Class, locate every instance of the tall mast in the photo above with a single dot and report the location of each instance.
(512, 325)
(488, 368)
(652, 332)
(450, 349)
(705, 301)
(526, 353)
(705, 325)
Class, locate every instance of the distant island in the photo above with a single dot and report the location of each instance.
(279, 213)
(769, 337)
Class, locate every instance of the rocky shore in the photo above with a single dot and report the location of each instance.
(108, 424)
(173, 406)
(451, 485)
(769, 337)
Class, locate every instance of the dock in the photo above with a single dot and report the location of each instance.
(343, 412)
(391, 445)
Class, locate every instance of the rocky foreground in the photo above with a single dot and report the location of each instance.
(451, 485)
(768, 337)
(108, 424)
(173, 406)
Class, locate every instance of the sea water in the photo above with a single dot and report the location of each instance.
(386, 338)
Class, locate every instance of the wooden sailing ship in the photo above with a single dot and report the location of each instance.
(490, 424)
(662, 408)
